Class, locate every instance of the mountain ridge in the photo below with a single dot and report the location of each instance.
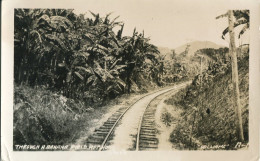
(194, 46)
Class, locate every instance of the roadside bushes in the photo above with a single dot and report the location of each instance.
(208, 116)
(42, 117)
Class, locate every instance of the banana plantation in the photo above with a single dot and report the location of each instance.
(84, 57)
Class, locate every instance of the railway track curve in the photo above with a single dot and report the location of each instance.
(146, 135)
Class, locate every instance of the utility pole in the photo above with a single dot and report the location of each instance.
(201, 65)
(236, 97)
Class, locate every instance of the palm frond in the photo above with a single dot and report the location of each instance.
(246, 27)
(88, 37)
(237, 23)
(221, 16)
(60, 20)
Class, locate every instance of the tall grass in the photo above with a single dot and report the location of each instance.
(44, 117)
(208, 117)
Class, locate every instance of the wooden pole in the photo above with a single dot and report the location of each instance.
(201, 65)
(236, 97)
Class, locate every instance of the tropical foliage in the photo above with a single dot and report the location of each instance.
(43, 117)
(207, 105)
(83, 57)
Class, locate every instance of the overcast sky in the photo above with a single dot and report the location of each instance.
(169, 23)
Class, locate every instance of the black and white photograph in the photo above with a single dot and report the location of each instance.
(140, 76)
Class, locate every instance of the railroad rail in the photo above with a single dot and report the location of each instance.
(101, 136)
(146, 136)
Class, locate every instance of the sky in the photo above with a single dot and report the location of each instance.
(168, 23)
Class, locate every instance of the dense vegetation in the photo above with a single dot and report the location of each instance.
(73, 54)
(208, 117)
(66, 64)
(43, 117)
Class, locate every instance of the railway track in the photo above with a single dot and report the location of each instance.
(101, 136)
(147, 132)
(146, 137)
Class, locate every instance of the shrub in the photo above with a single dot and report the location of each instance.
(43, 117)
(214, 123)
(167, 118)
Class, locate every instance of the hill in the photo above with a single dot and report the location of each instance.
(196, 45)
(164, 50)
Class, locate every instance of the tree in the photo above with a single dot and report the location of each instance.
(136, 50)
(40, 39)
(241, 17)
(97, 62)
(233, 54)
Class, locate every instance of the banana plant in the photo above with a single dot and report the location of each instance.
(136, 49)
(39, 37)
